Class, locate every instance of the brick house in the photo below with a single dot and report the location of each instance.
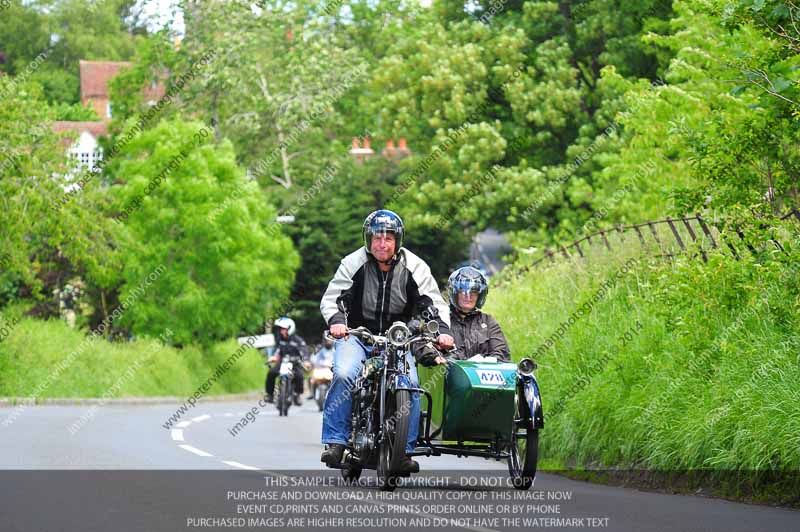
(95, 77)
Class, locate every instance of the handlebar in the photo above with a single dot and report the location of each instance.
(368, 337)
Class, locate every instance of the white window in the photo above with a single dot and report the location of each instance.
(108, 109)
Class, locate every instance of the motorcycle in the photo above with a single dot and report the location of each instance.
(321, 378)
(286, 377)
(382, 403)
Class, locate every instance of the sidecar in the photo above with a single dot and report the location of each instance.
(483, 408)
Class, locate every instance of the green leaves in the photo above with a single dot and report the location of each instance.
(225, 268)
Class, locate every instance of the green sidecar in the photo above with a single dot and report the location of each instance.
(485, 409)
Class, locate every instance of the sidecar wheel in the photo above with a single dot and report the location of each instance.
(523, 449)
(523, 457)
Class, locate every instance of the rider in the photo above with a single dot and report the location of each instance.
(475, 332)
(377, 284)
(287, 343)
(321, 359)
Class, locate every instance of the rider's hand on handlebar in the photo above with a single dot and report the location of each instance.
(339, 330)
(445, 341)
(440, 360)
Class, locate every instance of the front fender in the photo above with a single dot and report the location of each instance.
(529, 389)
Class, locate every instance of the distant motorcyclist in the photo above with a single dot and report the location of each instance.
(322, 358)
(380, 283)
(286, 343)
(475, 332)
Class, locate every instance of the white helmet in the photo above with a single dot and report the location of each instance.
(285, 323)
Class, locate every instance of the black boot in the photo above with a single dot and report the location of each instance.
(268, 398)
(409, 466)
(332, 455)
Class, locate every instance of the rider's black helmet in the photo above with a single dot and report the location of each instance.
(382, 222)
(467, 279)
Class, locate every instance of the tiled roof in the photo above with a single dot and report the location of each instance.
(95, 76)
(97, 129)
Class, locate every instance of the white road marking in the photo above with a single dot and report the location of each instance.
(194, 450)
(177, 434)
(228, 415)
(183, 424)
(240, 466)
(201, 418)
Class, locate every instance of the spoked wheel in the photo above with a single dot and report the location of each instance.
(283, 397)
(393, 444)
(523, 450)
(321, 392)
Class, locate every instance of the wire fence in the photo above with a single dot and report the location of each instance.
(659, 238)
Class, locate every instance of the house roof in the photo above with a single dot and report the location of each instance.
(95, 76)
(96, 129)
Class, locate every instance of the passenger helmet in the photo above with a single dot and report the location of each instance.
(467, 279)
(382, 222)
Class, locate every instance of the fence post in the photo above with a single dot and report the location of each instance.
(675, 232)
(694, 237)
(655, 235)
(641, 237)
(605, 240)
(706, 231)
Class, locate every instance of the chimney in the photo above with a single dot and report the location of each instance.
(392, 152)
(361, 153)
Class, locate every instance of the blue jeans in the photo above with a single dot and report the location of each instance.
(348, 358)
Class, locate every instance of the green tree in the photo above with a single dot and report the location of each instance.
(48, 235)
(185, 205)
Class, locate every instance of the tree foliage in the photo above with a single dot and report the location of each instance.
(185, 205)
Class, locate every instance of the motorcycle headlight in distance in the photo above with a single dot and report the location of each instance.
(526, 366)
(398, 334)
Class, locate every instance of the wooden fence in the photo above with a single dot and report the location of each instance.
(668, 237)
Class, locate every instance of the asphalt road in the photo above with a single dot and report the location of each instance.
(488, 247)
(123, 470)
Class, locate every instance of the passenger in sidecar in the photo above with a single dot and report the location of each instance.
(474, 331)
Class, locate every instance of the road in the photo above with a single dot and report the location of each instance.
(123, 470)
(488, 247)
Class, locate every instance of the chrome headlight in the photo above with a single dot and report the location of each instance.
(526, 366)
(432, 327)
(398, 334)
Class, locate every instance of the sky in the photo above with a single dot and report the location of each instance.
(160, 11)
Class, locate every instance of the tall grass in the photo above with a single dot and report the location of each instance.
(682, 365)
(33, 351)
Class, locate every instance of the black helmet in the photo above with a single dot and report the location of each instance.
(467, 279)
(382, 222)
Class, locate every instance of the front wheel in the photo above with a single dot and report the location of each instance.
(321, 392)
(523, 451)
(284, 397)
(393, 443)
